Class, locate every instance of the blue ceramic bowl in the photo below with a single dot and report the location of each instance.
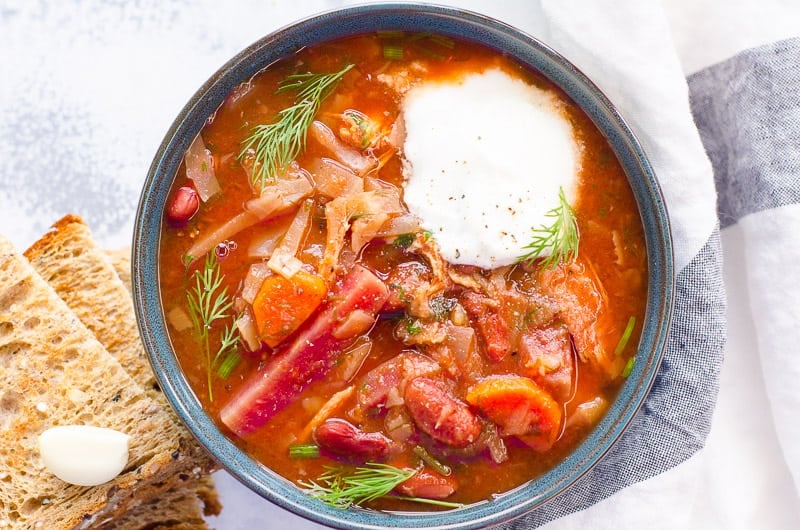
(444, 21)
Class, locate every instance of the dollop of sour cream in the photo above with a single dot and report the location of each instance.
(84, 455)
(485, 156)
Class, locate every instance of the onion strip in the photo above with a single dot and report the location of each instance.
(252, 282)
(200, 169)
(345, 154)
(333, 179)
(273, 201)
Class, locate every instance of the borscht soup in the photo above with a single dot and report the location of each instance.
(403, 271)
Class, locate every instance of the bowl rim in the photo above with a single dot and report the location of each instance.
(448, 20)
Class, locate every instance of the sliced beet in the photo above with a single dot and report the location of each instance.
(311, 354)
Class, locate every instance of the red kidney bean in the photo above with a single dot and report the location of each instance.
(342, 438)
(440, 415)
(428, 485)
(183, 205)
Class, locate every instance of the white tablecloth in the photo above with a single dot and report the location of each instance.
(89, 88)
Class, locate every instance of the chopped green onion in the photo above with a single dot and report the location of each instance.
(626, 335)
(390, 34)
(441, 40)
(303, 451)
(413, 327)
(401, 292)
(392, 52)
(419, 36)
(430, 53)
(430, 460)
(629, 367)
(403, 240)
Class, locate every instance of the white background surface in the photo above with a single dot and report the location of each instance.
(88, 90)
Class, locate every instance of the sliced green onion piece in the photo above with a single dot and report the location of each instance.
(392, 52)
(228, 365)
(404, 240)
(419, 36)
(429, 459)
(303, 451)
(626, 335)
(427, 51)
(629, 367)
(390, 34)
(441, 40)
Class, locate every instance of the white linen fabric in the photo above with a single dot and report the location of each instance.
(90, 87)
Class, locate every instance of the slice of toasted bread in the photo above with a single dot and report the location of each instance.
(121, 260)
(55, 372)
(85, 277)
(178, 509)
(68, 258)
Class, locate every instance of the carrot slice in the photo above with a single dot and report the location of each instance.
(520, 408)
(282, 304)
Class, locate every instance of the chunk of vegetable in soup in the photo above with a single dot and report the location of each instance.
(348, 318)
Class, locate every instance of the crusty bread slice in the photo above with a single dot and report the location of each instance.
(85, 277)
(82, 274)
(54, 372)
(121, 260)
(178, 509)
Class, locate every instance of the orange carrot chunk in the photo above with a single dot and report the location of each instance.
(520, 408)
(282, 304)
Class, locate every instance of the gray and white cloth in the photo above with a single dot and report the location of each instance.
(712, 89)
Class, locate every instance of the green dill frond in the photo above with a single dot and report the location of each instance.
(338, 489)
(372, 481)
(209, 303)
(561, 238)
(277, 144)
(227, 357)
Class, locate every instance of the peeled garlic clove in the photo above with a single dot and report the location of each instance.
(84, 455)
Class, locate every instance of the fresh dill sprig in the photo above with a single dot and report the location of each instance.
(560, 238)
(227, 357)
(340, 490)
(276, 145)
(209, 302)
